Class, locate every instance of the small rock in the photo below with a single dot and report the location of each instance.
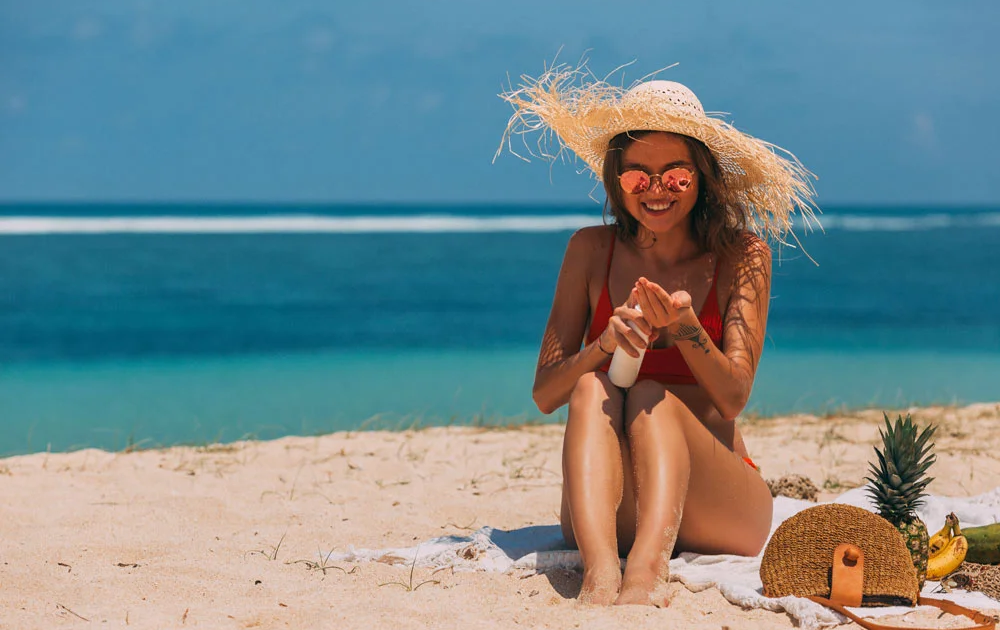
(794, 486)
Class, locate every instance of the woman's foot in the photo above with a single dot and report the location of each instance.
(644, 587)
(601, 584)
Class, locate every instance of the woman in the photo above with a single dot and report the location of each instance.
(659, 467)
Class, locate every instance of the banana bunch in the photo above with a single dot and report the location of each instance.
(947, 549)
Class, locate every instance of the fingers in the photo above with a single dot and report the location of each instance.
(643, 300)
(630, 314)
(633, 298)
(681, 299)
(652, 338)
(625, 337)
(654, 308)
(659, 309)
(656, 290)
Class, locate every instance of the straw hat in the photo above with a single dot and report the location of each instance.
(583, 114)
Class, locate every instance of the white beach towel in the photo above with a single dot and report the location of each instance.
(541, 548)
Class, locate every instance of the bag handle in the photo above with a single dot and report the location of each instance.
(985, 623)
(847, 580)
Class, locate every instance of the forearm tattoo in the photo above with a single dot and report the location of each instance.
(686, 332)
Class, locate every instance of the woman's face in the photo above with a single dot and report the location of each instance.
(658, 208)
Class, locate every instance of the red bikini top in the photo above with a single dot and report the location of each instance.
(665, 365)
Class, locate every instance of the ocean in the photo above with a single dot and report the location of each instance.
(139, 325)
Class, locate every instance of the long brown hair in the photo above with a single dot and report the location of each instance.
(717, 228)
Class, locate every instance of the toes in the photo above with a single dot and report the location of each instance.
(600, 587)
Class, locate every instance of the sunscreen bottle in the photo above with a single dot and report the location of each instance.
(624, 368)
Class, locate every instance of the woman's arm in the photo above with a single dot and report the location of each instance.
(727, 376)
(561, 361)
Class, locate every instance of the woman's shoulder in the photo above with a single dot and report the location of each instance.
(587, 250)
(750, 258)
(748, 248)
(589, 241)
(594, 235)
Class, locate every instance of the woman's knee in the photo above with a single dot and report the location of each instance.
(592, 392)
(650, 401)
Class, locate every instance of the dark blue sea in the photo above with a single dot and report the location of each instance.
(151, 325)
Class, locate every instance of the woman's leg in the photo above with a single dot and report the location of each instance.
(593, 483)
(681, 469)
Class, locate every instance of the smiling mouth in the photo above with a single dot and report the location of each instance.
(658, 207)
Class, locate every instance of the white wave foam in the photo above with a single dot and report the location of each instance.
(426, 223)
(291, 224)
(911, 223)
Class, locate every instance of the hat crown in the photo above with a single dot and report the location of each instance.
(668, 94)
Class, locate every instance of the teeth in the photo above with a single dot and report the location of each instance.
(656, 207)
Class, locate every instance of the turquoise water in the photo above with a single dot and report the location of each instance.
(176, 400)
(113, 405)
(116, 330)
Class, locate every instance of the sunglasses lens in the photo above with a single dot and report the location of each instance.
(634, 182)
(677, 180)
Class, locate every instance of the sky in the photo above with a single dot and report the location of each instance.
(888, 103)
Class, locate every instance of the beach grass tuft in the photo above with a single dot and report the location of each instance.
(471, 527)
(410, 586)
(323, 565)
(131, 445)
(77, 615)
(291, 491)
(273, 553)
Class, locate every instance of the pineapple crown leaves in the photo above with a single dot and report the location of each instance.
(897, 482)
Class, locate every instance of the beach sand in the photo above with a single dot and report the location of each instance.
(228, 536)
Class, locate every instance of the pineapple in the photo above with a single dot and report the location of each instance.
(897, 484)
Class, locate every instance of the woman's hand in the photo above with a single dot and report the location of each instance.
(618, 332)
(659, 308)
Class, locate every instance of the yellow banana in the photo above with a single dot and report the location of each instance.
(948, 559)
(940, 540)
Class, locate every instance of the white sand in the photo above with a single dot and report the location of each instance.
(223, 537)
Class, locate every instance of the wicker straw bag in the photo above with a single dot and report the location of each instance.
(841, 555)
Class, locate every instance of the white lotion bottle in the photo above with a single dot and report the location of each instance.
(624, 368)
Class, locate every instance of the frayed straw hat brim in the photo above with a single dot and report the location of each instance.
(571, 110)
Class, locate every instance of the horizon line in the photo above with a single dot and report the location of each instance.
(443, 204)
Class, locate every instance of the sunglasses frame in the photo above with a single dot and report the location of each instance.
(663, 183)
